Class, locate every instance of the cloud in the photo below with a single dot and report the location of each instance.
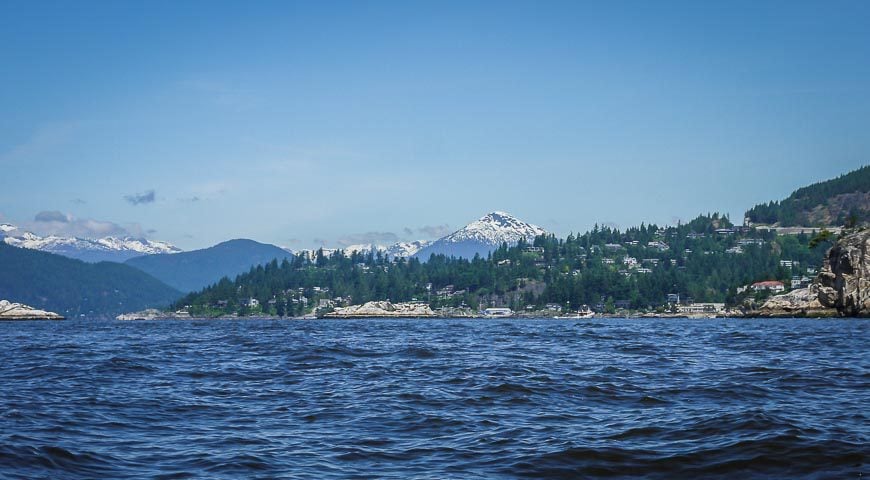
(368, 237)
(435, 231)
(320, 241)
(42, 142)
(66, 225)
(140, 198)
(190, 199)
(52, 216)
(408, 231)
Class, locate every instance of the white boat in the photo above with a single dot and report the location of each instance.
(498, 313)
(584, 312)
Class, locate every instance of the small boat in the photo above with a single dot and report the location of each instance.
(584, 312)
(497, 313)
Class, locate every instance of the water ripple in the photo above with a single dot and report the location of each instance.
(609, 398)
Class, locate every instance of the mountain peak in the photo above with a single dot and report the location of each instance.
(495, 228)
(482, 236)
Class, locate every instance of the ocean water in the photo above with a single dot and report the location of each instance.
(435, 399)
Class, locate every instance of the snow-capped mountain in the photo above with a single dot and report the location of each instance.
(406, 249)
(400, 249)
(112, 249)
(482, 236)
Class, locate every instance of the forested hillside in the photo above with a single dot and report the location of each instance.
(706, 260)
(844, 200)
(72, 287)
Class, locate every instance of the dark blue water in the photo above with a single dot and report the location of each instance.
(435, 399)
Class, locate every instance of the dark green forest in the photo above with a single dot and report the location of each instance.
(798, 208)
(705, 260)
(72, 287)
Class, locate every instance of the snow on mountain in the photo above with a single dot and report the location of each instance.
(362, 248)
(406, 249)
(400, 249)
(140, 245)
(111, 249)
(494, 229)
(482, 236)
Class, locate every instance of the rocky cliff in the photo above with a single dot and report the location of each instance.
(842, 287)
(844, 281)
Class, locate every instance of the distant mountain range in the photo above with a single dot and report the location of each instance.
(73, 287)
(479, 237)
(153, 273)
(196, 269)
(400, 249)
(111, 249)
(482, 236)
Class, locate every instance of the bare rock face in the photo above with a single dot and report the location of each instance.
(844, 281)
(383, 309)
(802, 299)
(17, 311)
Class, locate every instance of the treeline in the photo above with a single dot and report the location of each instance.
(637, 267)
(796, 209)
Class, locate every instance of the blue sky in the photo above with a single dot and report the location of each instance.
(337, 122)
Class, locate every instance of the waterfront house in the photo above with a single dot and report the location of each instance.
(774, 286)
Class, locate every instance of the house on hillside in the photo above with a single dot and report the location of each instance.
(658, 245)
(774, 286)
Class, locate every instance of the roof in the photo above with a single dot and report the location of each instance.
(768, 283)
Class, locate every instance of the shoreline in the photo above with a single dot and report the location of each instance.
(26, 319)
(746, 316)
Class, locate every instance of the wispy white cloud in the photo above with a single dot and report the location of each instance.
(377, 238)
(51, 216)
(53, 222)
(435, 231)
(41, 142)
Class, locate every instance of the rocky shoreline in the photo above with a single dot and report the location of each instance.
(383, 309)
(18, 311)
(841, 289)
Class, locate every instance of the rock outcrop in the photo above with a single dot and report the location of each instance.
(383, 309)
(844, 281)
(842, 286)
(803, 302)
(18, 311)
(153, 314)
